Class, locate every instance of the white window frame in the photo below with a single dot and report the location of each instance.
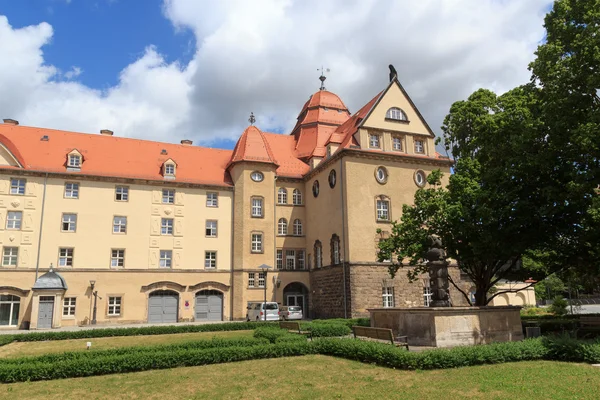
(168, 196)
(122, 193)
(170, 169)
(301, 260)
(419, 146)
(282, 227)
(117, 256)
(210, 259)
(319, 256)
(212, 199)
(251, 279)
(387, 296)
(282, 196)
(10, 256)
(279, 259)
(261, 279)
(166, 226)
(257, 243)
(257, 207)
(427, 294)
(69, 306)
(14, 220)
(211, 228)
(70, 220)
(66, 256)
(374, 141)
(336, 251)
(74, 161)
(383, 210)
(297, 197)
(396, 143)
(114, 306)
(298, 231)
(71, 190)
(119, 224)
(15, 308)
(397, 114)
(17, 186)
(290, 259)
(166, 259)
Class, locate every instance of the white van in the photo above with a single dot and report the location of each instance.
(256, 311)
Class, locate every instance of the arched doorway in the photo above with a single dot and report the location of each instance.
(163, 306)
(9, 310)
(209, 305)
(296, 294)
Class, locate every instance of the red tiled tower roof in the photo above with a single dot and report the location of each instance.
(252, 146)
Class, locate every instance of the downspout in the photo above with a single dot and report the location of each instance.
(274, 239)
(39, 247)
(343, 234)
(231, 257)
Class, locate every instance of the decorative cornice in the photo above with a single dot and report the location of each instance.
(209, 285)
(22, 292)
(162, 285)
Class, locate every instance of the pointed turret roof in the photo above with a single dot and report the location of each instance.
(252, 146)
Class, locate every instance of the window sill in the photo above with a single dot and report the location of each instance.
(255, 287)
(257, 252)
(207, 206)
(384, 221)
(256, 216)
(68, 317)
(290, 205)
(400, 121)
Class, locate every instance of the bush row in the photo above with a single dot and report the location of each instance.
(328, 330)
(145, 330)
(350, 322)
(117, 364)
(191, 345)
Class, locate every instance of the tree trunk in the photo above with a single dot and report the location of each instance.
(480, 295)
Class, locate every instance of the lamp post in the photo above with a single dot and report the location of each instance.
(95, 294)
(264, 268)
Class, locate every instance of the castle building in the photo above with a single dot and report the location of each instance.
(95, 228)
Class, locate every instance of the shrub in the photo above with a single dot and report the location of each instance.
(6, 339)
(271, 334)
(559, 306)
(328, 330)
(350, 322)
(291, 338)
(146, 330)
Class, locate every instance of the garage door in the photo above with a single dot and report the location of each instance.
(163, 306)
(209, 305)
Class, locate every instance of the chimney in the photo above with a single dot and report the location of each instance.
(106, 132)
(10, 121)
(186, 142)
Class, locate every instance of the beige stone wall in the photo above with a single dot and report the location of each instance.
(525, 296)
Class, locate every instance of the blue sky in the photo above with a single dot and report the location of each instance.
(173, 69)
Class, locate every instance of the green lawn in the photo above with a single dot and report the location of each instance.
(19, 349)
(322, 377)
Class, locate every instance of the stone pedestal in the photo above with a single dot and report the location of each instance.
(451, 326)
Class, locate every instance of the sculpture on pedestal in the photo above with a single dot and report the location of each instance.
(437, 267)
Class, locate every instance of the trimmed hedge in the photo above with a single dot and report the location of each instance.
(328, 330)
(270, 334)
(145, 330)
(6, 339)
(118, 364)
(192, 345)
(350, 322)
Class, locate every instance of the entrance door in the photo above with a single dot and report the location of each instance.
(295, 300)
(209, 305)
(163, 306)
(45, 312)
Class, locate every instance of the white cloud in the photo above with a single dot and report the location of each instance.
(262, 56)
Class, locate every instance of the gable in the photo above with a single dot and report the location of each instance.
(6, 158)
(394, 96)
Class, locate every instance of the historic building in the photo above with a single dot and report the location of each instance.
(158, 232)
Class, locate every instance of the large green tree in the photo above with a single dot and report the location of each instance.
(526, 169)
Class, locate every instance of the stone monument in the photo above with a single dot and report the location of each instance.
(437, 267)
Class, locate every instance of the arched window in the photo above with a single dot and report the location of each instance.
(297, 227)
(282, 226)
(396, 114)
(297, 197)
(335, 249)
(282, 196)
(9, 310)
(318, 254)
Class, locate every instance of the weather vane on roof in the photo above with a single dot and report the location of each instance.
(252, 119)
(322, 77)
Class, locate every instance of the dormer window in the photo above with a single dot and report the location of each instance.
(419, 147)
(169, 169)
(396, 114)
(74, 161)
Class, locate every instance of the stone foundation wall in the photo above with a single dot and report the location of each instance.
(327, 292)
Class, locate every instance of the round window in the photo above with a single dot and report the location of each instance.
(332, 178)
(420, 178)
(381, 175)
(257, 176)
(316, 188)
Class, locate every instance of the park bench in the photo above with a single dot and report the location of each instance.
(380, 334)
(293, 327)
(589, 321)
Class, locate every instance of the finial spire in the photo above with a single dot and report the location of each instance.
(393, 73)
(252, 119)
(51, 268)
(322, 77)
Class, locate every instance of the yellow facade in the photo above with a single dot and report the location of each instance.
(152, 259)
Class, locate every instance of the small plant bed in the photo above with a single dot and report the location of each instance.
(323, 377)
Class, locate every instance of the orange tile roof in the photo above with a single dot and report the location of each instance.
(285, 156)
(252, 146)
(110, 156)
(345, 132)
